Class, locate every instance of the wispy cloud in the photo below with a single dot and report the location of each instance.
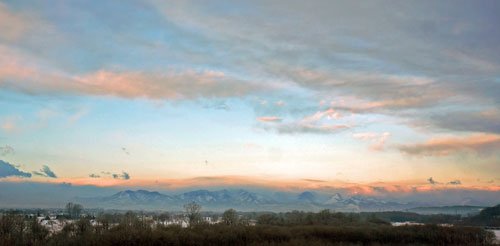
(321, 122)
(455, 182)
(78, 115)
(377, 140)
(45, 172)
(432, 181)
(6, 150)
(10, 124)
(487, 121)
(123, 175)
(269, 119)
(315, 180)
(20, 72)
(125, 150)
(280, 103)
(328, 114)
(16, 25)
(218, 105)
(7, 170)
(292, 128)
(442, 146)
(110, 175)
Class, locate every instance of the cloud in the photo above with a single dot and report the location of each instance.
(125, 151)
(217, 105)
(12, 25)
(419, 100)
(328, 114)
(21, 72)
(432, 181)
(187, 84)
(443, 146)
(7, 170)
(6, 150)
(371, 92)
(293, 128)
(487, 121)
(315, 180)
(16, 25)
(333, 48)
(269, 119)
(455, 182)
(318, 123)
(388, 74)
(45, 172)
(78, 115)
(124, 176)
(377, 140)
(10, 124)
(410, 97)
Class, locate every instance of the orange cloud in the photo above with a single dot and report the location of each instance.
(479, 143)
(22, 72)
(269, 119)
(167, 85)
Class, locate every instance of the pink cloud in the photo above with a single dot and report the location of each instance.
(269, 119)
(21, 72)
(443, 146)
(328, 114)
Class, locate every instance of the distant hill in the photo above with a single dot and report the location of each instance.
(242, 200)
(489, 216)
(453, 210)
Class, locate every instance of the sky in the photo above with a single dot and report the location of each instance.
(403, 95)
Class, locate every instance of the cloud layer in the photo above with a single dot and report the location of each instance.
(407, 78)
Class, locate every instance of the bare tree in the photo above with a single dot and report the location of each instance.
(74, 210)
(230, 217)
(193, 214)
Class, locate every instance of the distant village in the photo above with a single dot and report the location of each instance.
(55, 219)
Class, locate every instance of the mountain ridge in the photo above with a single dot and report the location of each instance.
(243, 200)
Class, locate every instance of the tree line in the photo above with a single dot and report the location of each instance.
(292, 228)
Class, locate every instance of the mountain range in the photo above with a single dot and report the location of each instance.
(243, 200)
